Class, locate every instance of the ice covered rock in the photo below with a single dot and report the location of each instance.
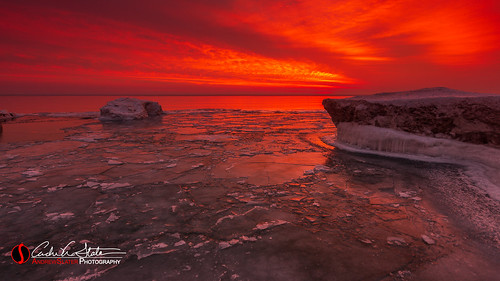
(434, 112)
(321, 168)
(309, 172)
(129, 109)
(5, 115)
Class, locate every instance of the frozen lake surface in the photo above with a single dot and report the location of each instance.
(237, 195)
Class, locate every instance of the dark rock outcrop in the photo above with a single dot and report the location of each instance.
(129, 109)
(435, 112)
(5, 115)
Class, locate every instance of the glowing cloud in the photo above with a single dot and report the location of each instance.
(451, 31)
(248, 44)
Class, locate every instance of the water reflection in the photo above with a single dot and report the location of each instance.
(39, 130)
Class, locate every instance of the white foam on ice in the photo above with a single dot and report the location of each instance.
(482, 162)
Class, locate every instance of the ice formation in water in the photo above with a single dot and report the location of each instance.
(435, 124)
(389, 142)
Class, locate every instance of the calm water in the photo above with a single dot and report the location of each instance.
(46, 129)
(35, 104)
(39, 130)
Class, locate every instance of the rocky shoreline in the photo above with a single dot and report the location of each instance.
(433, 112)
(432, 124)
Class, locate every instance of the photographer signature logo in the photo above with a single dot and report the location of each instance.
(20, 253)
(44, 253)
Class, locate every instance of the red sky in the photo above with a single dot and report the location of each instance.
(248, 46)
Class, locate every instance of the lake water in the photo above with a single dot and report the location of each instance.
(199, 193)
(46, 129)
(35, 104)
(253, 193)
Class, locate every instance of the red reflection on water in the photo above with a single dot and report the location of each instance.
(34, 104)
(37, 131)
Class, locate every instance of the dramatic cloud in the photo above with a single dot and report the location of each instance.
(247, 46)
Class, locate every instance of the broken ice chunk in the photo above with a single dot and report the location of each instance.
(366, 241)
(32, 173)
(406, 194)
(56, 216)
(174, 208)
(112, 218)
(92, 184)
(180, 243)
(159, 246)
(428, 240)
(397, 241)
(266, 225)
(200, 244)
(223, 218)
(227, 244)
(111, 185)
(249, 239)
